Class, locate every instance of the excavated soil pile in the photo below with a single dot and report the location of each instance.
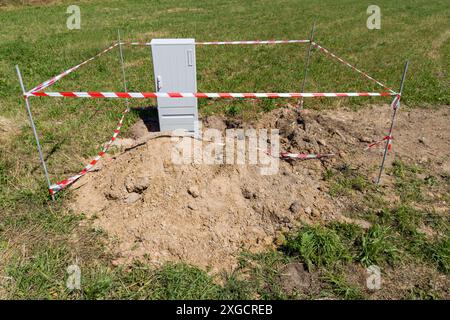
(205, 215)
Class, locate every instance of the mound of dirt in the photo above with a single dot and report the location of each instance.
(157, 211)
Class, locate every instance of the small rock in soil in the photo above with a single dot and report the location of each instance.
(193, 191)
(141, 184)
(137, 185)
(315, 212)
(112, 195)
(296, 278)
(132, 198)
(365, 139)
(248, 194)
(295, 207)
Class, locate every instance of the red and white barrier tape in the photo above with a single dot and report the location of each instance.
(252, 42)
(304, 156)
(228, 42)
(388, 138)
(396, 102)
(51, 81)
(351, 66)
(227, 95)
(67, 182)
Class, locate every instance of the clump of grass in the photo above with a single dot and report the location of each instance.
(317, 246)
(438, 253)
(377, 246)
(350, 235)
(346, 180)
(404, 218)
(407, 184)
(421, 294)
(263, 270)
(180, 281)
(170, 282)
(39, 276)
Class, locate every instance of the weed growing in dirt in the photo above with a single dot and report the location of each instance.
(438, 253)
(350, 235)
(346, 180)
(407, 184)
(317, 246)
(264, 272)
(179, 281)
(421, 294)
(377, 246)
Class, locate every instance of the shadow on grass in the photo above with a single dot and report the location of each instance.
(149, 115)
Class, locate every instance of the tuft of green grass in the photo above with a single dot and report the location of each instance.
(345, 181)
(421, 294)
(317, 246)
(350, 235)
(377, 246)
(180, 281)
(407, 185)
(404, 218)
(438, 252)
(39, 276)
(263, 273)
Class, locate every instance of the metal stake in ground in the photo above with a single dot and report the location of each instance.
(36, 137)
(123, 68)
(396, 105)
(308, 58)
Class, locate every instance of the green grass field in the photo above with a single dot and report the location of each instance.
(39, 239)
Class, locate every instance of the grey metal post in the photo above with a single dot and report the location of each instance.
(394, 114)
(123, 69)
(36, 137)
(308, 58)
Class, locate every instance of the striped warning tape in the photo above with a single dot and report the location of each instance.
(147, 95)
(388, 138)
(351, 66)
(252, 42)
(51, 81)
(227, 42)
(67, 182)
(396, 102)
(304, 156)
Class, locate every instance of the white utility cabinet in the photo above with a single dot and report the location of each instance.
(175, 71)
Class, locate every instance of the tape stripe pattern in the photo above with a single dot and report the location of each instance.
(304, 156)
(207, 95)
(328, 52)
(386, 138)
(228, 42)
(67, 182)
(51, 81)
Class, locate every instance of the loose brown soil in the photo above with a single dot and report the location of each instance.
(205, 215)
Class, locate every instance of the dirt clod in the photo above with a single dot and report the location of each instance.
(248, 194)
(295, 207)
(132, 198)
(193, 191)
(137, 185)
(295, 278)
